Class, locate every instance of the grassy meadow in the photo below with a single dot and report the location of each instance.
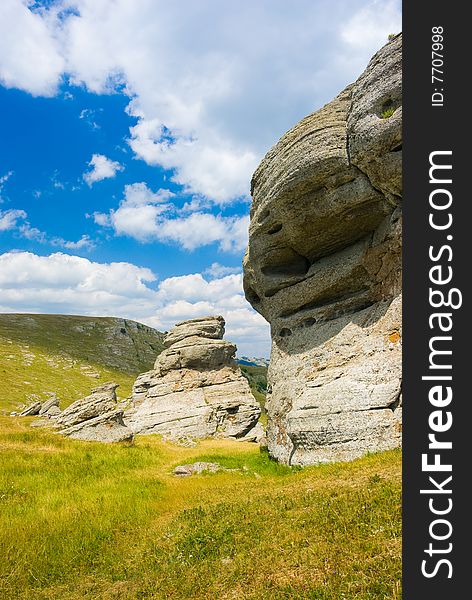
(83, 521)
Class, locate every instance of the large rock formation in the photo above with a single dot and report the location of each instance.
(196, 389)
(323, 266)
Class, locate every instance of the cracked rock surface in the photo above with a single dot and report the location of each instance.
(196, 388)
(323, 266)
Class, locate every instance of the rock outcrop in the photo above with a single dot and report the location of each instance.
(323, 266)
(47, 409)
(50, 407)
(108, 427)
(30, 411)
(95, 418)
(101, 400)
(196, 389)
(197, 468)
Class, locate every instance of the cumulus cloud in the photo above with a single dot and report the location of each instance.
(83, 243)
(151, 216)
(212, 84)
(101, 168)
(31, 58)
(63, 283)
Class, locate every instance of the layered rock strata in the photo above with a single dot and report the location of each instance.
(323, 266)
(196, 389)
(95, 418)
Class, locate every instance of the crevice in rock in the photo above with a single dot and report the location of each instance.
(323, 303)
(263, 216)
(252, 296)
(295, 266)
(275, 229)
(308, 322)
(396, 403)
(285, 332)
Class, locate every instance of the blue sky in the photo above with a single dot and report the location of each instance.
(129, 133)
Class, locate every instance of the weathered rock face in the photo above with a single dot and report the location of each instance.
(100, 401)
(323, 266)
(51, 406)
(96, 418)
(48, 409)
(196, 389)
(31, 410)
(108, 427)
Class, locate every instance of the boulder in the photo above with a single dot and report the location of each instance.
(31, 410)
(323, 266)
(196, 468)
(108, 427)
(52, 412)
(101, 400)
(49, 405)
(205, 327)
(196, 389)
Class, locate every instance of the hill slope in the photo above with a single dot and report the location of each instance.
(70, 355)
(257, 379)
(121, 344)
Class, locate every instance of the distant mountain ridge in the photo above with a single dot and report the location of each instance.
(115, 343)
(251, 361)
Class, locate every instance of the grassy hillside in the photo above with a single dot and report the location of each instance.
(70, 355)
(257, 379)
(121, 344)
(28, 372)
(89, 521)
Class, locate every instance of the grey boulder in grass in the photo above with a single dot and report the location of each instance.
(101, 400)
(108, 427)
(50, 407)
(30, 411)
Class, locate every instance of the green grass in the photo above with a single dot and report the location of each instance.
(93, 521)
(28, 372)
(386, 114)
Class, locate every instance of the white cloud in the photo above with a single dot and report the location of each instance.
(9, 219)
(202, 229)
(212, 168)
(30, 55)
(101, 168)
(370, 26)
(149, 216)
(88, 115)
(3, 181)
(216, 270)
(61, 283)
(213, 84)
(5, 178)
(83, 243)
